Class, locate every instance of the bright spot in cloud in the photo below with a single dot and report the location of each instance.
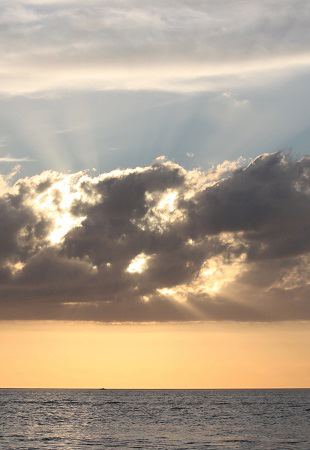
(16, 267)
(168, 201)
(167, 291)
(138, 264)
(216, 273)
(163, 210)
(55, 203)
(62, 225)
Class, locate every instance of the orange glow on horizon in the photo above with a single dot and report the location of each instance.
(210, 355)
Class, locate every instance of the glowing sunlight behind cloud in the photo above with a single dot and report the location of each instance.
(138, 264)
(159, 243)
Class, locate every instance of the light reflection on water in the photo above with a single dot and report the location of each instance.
(156, 419)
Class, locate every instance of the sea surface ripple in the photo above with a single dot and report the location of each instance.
(154, 419)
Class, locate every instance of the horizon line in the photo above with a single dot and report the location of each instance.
(156, 389)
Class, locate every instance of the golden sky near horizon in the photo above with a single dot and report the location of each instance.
(209, 355)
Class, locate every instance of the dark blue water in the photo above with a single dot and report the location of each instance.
(156, 419)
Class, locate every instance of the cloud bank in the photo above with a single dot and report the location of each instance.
(159, 243)
(177, 45)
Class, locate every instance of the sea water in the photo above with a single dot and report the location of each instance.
(154, 419)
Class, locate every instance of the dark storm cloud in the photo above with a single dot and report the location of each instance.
(159, 243)
(20, 229)
(268, 201)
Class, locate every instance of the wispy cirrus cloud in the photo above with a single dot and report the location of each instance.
(13, 159)
(170, 45)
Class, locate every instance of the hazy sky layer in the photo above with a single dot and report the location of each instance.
(105, 130)
(176, 45)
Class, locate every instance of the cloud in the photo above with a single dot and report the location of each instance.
(255, 201)
(170, 45)
(159, 243)
(12, 159)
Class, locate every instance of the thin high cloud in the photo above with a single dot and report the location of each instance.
(177, 45)
(13, 159)
(159, 243)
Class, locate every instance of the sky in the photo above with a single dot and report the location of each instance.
(154, 192)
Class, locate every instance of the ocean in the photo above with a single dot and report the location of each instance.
(154, 419)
